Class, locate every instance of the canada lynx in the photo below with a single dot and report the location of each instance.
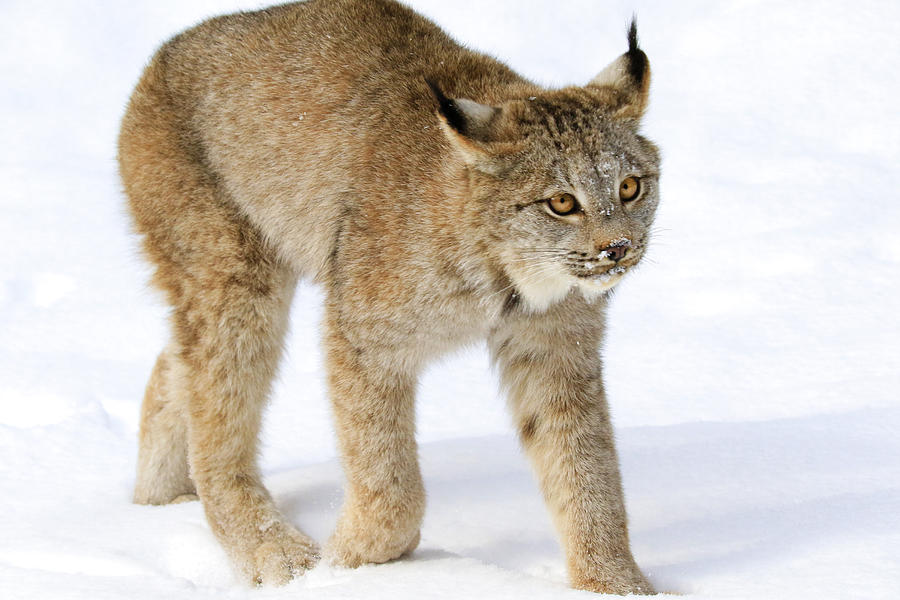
(438, 198)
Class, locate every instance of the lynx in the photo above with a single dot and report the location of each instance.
(438, 199)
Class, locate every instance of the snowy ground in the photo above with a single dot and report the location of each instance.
(752, 364)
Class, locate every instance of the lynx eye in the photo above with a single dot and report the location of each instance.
(629, 188)
(563, 204)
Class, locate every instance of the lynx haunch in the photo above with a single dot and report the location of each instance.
(438, 198)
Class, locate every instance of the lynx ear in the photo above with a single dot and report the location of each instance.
(468, 124)
(629, 77)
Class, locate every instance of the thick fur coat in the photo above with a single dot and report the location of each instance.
(438, 198)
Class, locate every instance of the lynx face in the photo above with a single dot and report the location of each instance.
(566, 186)
(574, 211)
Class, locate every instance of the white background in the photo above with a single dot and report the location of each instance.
(752, 362)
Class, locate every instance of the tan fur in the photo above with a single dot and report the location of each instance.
(304, 141)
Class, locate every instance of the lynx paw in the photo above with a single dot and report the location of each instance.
(289, 554)
(348, 550)
(623, 583)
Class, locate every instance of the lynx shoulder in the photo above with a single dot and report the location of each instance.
(438, 198)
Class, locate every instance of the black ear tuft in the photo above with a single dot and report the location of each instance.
(632, 35)
(449, 109)
(637, 60)
(628, 77)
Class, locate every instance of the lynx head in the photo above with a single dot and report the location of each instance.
(564, 185)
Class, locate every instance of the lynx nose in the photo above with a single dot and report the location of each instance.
(616, 251)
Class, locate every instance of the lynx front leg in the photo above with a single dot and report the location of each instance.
(374, 417)
(552, 371)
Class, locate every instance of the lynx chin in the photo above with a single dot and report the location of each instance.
(438, 199)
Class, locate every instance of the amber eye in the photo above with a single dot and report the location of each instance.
(563, 204)
(629, 188)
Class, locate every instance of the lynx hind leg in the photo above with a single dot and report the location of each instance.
(162, 471)
(230, 297)
(232, 331)
(229, 320)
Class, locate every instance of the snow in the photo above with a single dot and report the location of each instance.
(752, 362)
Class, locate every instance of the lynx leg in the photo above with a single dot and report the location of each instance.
(551, 369)
(162, 472)
(231, 332)
(374, 416)
(229, 320)
(231, 297)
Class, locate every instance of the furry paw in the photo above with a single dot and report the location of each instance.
(353, 550)
(282, 557)
(623, 583)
